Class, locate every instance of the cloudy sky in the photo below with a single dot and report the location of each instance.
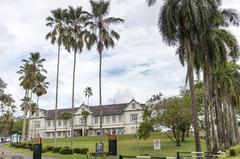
(140, 65)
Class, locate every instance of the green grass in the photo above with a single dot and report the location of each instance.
(127, 145)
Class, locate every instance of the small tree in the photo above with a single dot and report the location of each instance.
(85, 114)
(66, 116)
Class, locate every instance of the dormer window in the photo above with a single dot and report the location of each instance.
(133, 106)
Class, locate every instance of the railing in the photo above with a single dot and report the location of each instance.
(185, 155)
(145, 156)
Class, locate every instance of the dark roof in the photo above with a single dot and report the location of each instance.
(51, 113)
(114, 109)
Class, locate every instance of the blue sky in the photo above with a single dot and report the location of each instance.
(140, 65)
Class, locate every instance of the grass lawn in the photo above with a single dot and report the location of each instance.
(127, 145)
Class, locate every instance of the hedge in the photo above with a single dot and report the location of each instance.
(56, 149)
(83, 150)
(49, 148)
(44, 149)
(66, 151)
(234, 151)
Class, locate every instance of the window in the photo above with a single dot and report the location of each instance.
(82, 121)
(37, 123)
(120, 118)
(65, 122)
(133, 106)
(59, 133)
(59, 123)
(102, 119)
(49, 123)
(107, 119)
(133, 117)
(96, 120)
(53, 122)
(48, 135)
(113, 119)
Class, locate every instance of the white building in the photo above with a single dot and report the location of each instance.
(119, 118)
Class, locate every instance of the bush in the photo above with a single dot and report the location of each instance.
(56, 149)
(234, 151)
(49, 148)
(83, 151)
(66, 151)
(76, 150)
(44, 149)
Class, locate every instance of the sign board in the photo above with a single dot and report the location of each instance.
(156, 144)
(37, 148)
(112, 145)
(99, 149)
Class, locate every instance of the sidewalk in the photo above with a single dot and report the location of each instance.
(8, 154)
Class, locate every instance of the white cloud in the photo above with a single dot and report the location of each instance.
(140, 65)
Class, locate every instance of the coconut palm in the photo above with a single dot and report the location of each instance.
(88, 93)
(103, 36)
(74, 41)
(56, 21)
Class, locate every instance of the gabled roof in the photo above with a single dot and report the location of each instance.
(111, 109)
(50, 114)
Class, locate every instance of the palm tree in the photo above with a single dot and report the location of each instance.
(179, 23)
(88, 93)
(56, 35)
(66, 116)
(40, 89)
(28, 72)
(74, 41)
(103, 36)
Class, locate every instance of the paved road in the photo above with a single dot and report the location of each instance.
(8, 154)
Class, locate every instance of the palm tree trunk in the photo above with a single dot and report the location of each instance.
(56, 97)
(232, 130)
(100, 96)
(24, 119)
(206, 107)
(236, 124)
(36, 116)
(192, 95)
(73, 91)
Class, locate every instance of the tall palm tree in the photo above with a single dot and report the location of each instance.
(103, 36)
(88, 93)
(57, 22)
(180, 23)
(74, 41)
(28, 72)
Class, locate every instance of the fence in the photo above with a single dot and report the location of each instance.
(152, 157)
(185, 155)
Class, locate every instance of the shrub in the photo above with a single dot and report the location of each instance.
(44, 149)
(76, 150)
(66, 151)
(49, 148)
(83, 150)
(234, 151)
(56, 149)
